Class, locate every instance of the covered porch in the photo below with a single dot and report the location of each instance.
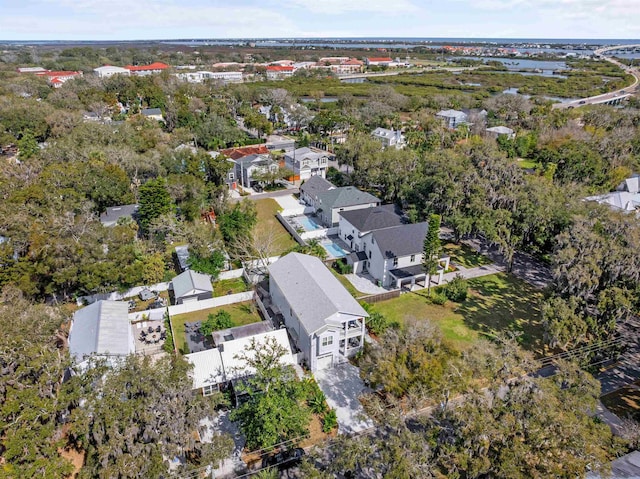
(416, 275)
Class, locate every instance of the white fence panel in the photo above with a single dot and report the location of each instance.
(210, 303)
(116, 296)
(234, 273)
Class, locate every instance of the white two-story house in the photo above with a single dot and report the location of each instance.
(307, 162)
(324, 320)
(390, 138)
(329, 201)
(384, 246)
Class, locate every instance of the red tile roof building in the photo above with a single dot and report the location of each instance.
(57, 78)
(277, 72)
(242, 151)
(142, 70)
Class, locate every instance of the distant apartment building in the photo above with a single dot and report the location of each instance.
(57, 78)
(203, 76)
(107, 71)
(278, 72)
(144, 70)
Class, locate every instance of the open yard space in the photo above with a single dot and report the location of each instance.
(241, 313)
(267, 209)
(496, 303)
(624, 402)
(230, 286)
(464, 255)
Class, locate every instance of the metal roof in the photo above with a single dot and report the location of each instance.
(312, 291)
(217, 365)
(101, 328)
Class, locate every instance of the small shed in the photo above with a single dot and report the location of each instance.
(146, 294)
(191, 286)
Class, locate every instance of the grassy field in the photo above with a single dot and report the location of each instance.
(496, 303)
(267, 209)
(465, 256)
(241, 313)
(625, 402)
(229, 286)
(528, 164)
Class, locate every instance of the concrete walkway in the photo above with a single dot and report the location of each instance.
(468, 273)
(365, 284)
(342, 386)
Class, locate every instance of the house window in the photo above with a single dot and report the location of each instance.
(327, 341)
(209, 390)
(413, 258)
(369, 254)
(395, 261)
(231, 176)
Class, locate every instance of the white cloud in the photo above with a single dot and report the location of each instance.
(335, 7)
(135, 19)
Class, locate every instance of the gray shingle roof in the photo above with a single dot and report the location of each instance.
(401, 240)
(345, 196)
(313, 293)
(114, 213)
(369, 219)
(151, 111)
(315, 185)
(100, 328)
(191, 283)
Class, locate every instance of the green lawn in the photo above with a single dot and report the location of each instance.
(229, 286)
(465, 256)
(267, 209)
(241, 313)
(349, 287)
(498, 302)
(624, 402)
(528, 164)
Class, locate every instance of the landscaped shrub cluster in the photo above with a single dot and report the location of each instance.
(342, 267)
(317, 402)
(457, 289)
(216, 322)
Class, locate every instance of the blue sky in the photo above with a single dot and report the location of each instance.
(154, 19)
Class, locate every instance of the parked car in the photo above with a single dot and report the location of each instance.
(284, 459)
(581, 102)
(258, 188)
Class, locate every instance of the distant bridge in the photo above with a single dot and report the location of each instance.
(614, 97)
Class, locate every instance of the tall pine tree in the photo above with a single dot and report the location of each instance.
(432, 247)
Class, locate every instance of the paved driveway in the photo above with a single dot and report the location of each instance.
(342, 386)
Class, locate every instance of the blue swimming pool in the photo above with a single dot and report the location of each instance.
(334, 250)
(308, 224)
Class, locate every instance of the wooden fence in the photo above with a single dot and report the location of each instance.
(376, 298)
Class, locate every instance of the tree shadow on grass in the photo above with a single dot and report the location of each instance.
(506, 306)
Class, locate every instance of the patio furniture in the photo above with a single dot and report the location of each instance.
(150, 329)
(158, 329)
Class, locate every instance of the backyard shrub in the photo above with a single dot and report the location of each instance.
(329, 421)
(342, 267)
(168, 345)
(438, 298)
(317, 402)
(216, 322)
(457, 289)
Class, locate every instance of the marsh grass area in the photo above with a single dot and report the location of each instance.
(496, 303)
